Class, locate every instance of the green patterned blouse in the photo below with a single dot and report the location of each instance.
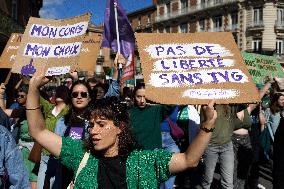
(144, 169)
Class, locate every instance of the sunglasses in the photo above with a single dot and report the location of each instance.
(20, 96)
(82, 94)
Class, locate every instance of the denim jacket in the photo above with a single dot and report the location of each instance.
(113, 89)
(12, 165)
(272, 121)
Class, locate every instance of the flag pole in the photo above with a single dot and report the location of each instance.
(117, 32)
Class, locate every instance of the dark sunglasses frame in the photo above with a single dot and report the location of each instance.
(20, 96)
(82, 94)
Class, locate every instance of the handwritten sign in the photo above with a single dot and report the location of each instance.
(194, 68)
(261, 66)
(89, 52)
(50, 46)
(8, 56)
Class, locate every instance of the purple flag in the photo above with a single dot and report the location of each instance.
(126, 34)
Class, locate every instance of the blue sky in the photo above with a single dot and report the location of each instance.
(60, 9)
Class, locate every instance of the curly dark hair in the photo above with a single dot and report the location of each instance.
(113, 109)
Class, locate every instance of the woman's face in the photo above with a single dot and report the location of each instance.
(281, 102)
(80, 96)
(21, 98)
(100, 93)
(104, 136)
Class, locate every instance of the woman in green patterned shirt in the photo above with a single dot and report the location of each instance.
(114, 160)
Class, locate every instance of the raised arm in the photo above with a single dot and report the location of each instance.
(119, 60)
(2, 100)
(113, 89)
(182, 161)
(261, 92)
(44, 137)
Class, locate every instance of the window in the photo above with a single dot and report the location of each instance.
(202, 25)
(168, 6)
(280, 15)
(148, 18)
(15, 9)
(184, 4)
(139, 21)
(202, 4)
(257, 45)
(217, 1)
(168, 29)
(234, 18)
(279, 46)
(257, 15)
(184, 28)
(217, 23)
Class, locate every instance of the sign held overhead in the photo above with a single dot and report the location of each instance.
(194, 68)
(51, 46)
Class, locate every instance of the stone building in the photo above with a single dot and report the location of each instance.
(14, 16)
(257, 25)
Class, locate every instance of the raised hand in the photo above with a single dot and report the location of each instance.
(74, 75)
(2, 88)
(210, 114)
(37, 81)
(119, 60)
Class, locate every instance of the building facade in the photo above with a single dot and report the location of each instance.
(257, 25)
(142, 21)
(14, 16)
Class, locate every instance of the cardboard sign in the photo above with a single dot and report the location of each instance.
(193, 68)
(8, 56)
(261, 66)
(51, 46)
(89, 52)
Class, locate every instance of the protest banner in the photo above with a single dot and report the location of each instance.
(193, 68)
(89, 52)
(51, 46)
(8, 56)
(260, 67)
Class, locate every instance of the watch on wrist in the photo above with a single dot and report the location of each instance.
(207, 130)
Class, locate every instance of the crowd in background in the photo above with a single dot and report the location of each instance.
(244, 137)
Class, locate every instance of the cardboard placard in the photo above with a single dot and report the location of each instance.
(193, 68)
(8, 56)
(261, 66)
(51, 46)
(89, 52)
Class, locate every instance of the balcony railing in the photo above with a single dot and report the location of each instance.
(8, 25)
(279, 24)
(139, 27)
(256, 25)
(219, 29)
(233, 27)
(193, 9)
(148, 25)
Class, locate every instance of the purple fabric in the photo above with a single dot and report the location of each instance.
(126, 34)
(76, 133)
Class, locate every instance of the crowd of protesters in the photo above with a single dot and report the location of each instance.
(98, 134)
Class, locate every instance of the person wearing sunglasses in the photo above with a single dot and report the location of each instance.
(74, 124)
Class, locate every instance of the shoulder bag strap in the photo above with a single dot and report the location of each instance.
(82, 164)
